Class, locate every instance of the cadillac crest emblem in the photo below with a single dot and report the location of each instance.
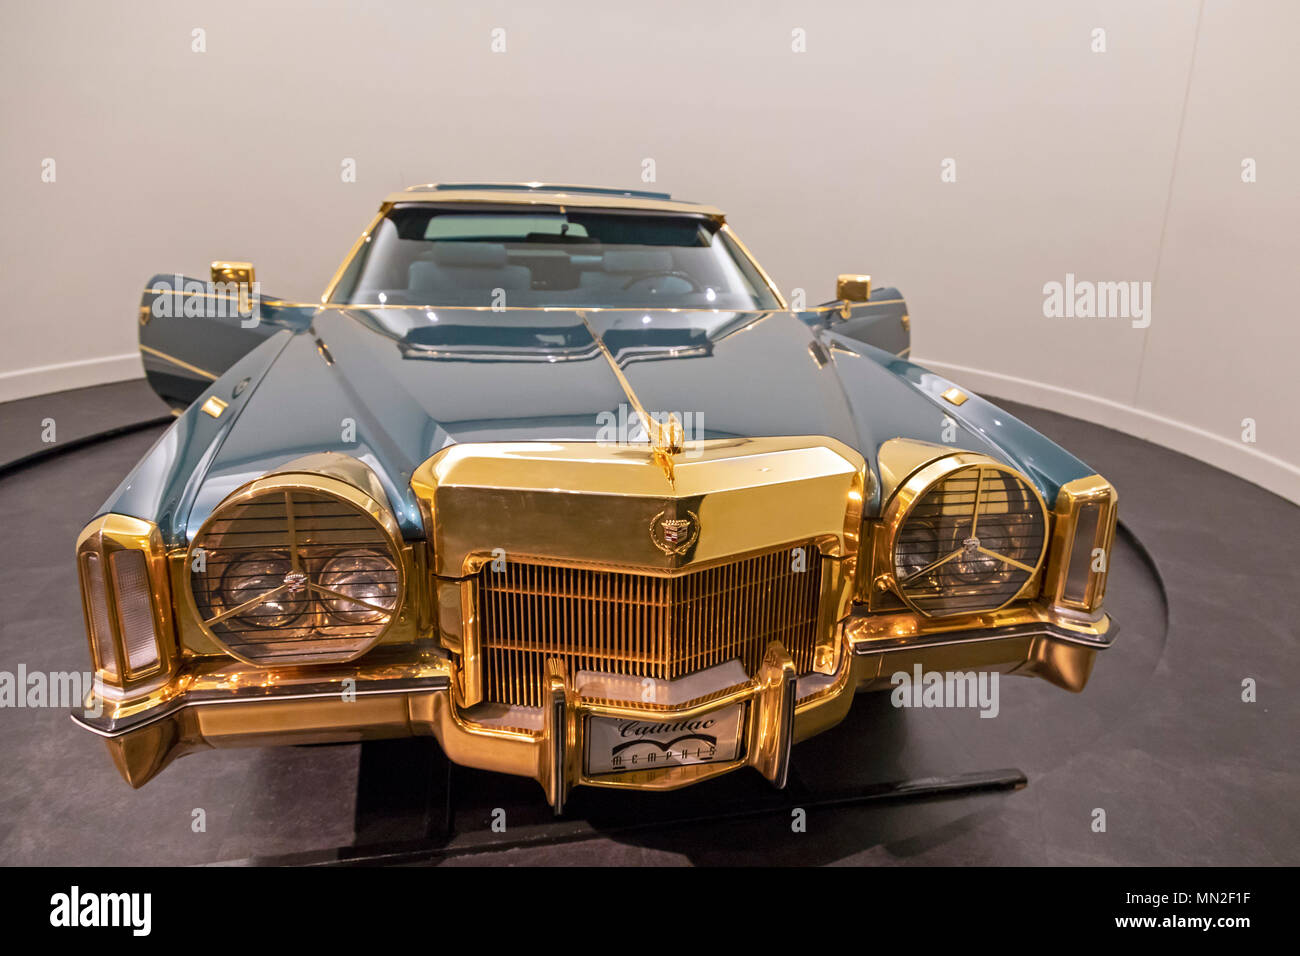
(672, 534)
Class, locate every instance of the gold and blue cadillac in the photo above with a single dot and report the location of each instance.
(556, 475)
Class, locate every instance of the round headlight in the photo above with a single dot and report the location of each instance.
(249, 582)
(297, 568)
(967, 535)
(361, 586)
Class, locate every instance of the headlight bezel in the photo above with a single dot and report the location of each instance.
(912, 490)
(386, 536)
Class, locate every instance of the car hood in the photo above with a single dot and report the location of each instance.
(392, 387)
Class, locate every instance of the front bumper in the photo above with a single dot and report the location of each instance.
(223, 704)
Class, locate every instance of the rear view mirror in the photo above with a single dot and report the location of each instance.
(850, 289)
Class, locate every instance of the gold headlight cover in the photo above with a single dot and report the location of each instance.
(963, 534)
(296, 568)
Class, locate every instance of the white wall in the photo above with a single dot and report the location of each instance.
(1122, 165)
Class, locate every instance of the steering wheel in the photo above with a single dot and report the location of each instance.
(674, 273)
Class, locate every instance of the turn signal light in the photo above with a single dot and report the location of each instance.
(1081, 543)
(126, 598)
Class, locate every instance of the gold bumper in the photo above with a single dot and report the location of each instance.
(235, 705)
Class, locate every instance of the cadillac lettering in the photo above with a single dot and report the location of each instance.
(614, 745)
(403, 511)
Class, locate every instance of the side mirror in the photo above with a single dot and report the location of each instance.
(238, 272)
(850, 289)
(237, 279)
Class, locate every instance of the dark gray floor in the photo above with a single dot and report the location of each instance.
(77, 415)
(1186, 772)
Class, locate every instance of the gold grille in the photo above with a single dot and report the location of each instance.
(640, 624)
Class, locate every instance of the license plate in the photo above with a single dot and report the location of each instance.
(619, 745)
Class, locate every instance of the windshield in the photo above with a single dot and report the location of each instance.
(501, 258)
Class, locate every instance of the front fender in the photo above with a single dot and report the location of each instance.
(1043, 461)
(162, 485)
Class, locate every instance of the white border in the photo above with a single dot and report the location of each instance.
(1245, 461)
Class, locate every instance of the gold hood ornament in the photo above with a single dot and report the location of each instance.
(666, 440)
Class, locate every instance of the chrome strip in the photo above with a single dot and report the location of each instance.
(117, 728)
(785, 737)
(884, 645)
(175, 361)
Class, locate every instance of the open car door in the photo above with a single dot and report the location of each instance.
(877, 317)
(192, 330)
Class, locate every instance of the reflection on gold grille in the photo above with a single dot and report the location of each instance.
(642, 625)
(970, 543)
(281, 582)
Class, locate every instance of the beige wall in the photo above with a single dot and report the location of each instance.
(1122, 165)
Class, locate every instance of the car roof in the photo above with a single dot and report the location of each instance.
(550, 194)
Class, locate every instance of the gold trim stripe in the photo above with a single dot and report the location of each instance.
(857, 305)
(175, 361)
(352, 253)
(758, 266)
(544, 196)
(365, 306)
(342, 306)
